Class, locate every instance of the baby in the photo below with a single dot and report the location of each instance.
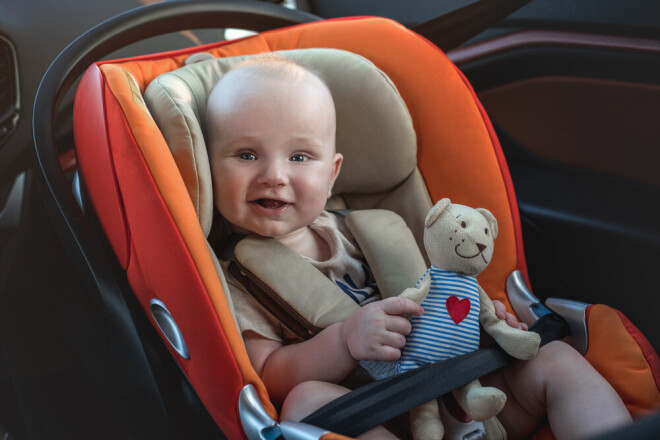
(271, 128)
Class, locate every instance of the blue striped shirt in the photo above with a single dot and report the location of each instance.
(450, 324)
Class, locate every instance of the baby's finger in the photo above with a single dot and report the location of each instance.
(387, 353)
(511, 321)
(394, 340)
(398, 325)
(500, 309)
(401, 306)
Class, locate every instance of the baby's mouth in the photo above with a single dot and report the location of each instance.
(270, 203)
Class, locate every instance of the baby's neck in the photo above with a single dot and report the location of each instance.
(306, 242)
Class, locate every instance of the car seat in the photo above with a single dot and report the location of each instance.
(141, 194)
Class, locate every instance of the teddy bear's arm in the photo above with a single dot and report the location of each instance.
(419, 292)
(518, 343)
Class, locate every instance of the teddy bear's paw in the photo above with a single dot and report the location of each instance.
(425, 423)
(483, 403)
(524, 346)
(494, 429)
(431, 430)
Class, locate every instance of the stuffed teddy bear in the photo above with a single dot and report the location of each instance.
(459, 243)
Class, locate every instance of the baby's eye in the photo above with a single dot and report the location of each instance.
(298, 158)
(247, 156)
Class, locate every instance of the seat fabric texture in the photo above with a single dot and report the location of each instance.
(425, 138)
(374, 130)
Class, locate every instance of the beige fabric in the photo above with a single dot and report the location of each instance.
(172, 106)
(390, 249)
(374, 133)
(410, 200)
(252, 316)
(223, 280)
(346, 264)
(320, 300)
(396, 264)
(374, 129)
(344, 253)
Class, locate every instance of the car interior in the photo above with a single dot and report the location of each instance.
(571, 89)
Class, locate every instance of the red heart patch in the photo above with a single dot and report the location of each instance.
(458, 308)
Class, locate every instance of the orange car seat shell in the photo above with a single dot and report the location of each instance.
(153, 276)
(143, 204)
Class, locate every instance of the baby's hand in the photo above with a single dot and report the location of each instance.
(377, 331)
(500, 312)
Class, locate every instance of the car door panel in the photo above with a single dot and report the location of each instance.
(576, 116)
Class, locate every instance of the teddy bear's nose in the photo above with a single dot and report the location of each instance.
(481, 247)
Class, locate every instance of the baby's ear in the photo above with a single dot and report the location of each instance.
(336, 167)
(435, 212)
(491, 220)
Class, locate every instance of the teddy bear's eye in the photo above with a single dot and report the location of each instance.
(463, 225)
(486, 231)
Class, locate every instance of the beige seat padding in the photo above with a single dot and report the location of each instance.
(374, 131)
(397, 264)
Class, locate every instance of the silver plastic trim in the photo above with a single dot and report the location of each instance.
(574, 312)
(457, 430)
(168, 326)
(10, 215)
(521, 297)
(301, 431)
(257, 423)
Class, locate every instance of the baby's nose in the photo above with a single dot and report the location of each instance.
(273, 174)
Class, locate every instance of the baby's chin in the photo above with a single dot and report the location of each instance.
(268, 231)
(239, 230)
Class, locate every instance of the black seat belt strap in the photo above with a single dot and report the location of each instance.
(377, 402)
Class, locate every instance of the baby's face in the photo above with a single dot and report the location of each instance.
(273, 155)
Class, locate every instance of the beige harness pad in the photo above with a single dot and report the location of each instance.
(306, 301)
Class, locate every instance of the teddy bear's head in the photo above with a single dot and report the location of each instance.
(459, 238)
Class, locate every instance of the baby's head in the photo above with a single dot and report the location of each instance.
(271, 135)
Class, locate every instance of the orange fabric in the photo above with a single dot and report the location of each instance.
(175, 279)
(544, 433)
(167, 177)
(451, 119)
(333, 436)
(96, 165)
(620, 359)
(145, 69)
(455, 151)
(458, 155)
(446, 114)
(506, 178)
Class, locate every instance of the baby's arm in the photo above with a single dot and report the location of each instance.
(374, 332)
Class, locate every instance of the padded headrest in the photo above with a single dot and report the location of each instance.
(374, 129)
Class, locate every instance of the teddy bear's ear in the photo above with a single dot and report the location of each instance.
(491, 220)
(435, 212)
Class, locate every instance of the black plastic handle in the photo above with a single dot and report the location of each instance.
(105, 38)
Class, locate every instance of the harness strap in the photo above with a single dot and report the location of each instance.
(290, 287)
(304, 300)
(389, 248)
(375, 403)
(272, 302)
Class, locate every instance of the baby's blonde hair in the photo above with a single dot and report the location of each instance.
(278, 66)
(274, 64)
(267, 65)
